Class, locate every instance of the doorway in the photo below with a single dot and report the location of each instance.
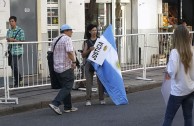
(26, 13)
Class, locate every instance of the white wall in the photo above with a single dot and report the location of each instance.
(4, 14)
(4, 17)
(147, 15)
(75, 17)
(148, 11)
(43, 16)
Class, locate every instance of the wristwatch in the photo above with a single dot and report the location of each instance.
(74, 62)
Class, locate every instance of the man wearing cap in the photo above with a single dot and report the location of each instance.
(64, 65)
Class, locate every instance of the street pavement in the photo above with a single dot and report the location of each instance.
(40, 97)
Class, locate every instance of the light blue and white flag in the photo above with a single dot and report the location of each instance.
(109, 72)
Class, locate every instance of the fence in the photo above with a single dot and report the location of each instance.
(33, 68)
(135, 51)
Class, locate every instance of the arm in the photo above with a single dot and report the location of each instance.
(20, 37)
(173, 64)
(70, 52)
(71, 56)
(86, 51)
(8, 36)
(14, 40)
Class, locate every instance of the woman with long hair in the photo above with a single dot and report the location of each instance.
(92, 36)
(180, 69)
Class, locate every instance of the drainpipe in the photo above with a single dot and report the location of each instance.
(181, 9)
(113, 16)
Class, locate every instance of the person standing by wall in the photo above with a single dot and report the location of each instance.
(91, 34)
(15, 34)
(180, 69)
(64, 65)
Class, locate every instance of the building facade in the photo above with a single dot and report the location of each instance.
(41, 20)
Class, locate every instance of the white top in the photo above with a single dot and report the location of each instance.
(181, 83)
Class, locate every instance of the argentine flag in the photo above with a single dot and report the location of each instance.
(109, 72)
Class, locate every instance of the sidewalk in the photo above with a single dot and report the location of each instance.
(36, 98)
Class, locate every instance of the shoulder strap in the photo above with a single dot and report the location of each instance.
(10, 46)
(56, 42)
(17, 33)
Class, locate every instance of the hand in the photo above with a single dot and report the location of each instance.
(73, 65)
(167, 76)
(92, 48)
(11, 40)
(6, 54)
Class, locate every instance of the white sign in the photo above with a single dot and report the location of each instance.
(166, 88)
(102, 47)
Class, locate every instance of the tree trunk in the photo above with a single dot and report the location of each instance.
(118, 15)
(92, 12)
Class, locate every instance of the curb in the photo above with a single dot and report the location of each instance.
(44, 104)
(132, 89)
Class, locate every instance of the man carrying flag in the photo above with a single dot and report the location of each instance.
(104, 59)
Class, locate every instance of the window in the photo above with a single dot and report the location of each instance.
(52, 19)
(52, 33)
(52, 1)
(52, 16)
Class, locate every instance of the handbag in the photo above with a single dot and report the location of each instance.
(9, 58)
(166, 88)
(54, 81)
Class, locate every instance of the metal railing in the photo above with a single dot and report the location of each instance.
(135, 51)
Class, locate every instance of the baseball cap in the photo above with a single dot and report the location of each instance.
(65, 27)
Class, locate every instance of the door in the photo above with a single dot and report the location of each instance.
(26, 13)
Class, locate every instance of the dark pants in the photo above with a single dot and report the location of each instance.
(14, 67)
(173, 105)
(66, 80)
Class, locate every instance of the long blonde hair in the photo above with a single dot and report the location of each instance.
(182, 42)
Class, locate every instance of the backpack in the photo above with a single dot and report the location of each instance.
(54, 81)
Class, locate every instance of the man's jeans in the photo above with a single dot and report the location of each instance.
(14, 67)
(173, 105)
(66, 80)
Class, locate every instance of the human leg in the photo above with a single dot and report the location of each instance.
(68, 105)
(187, 106)
(14, 67)
(100, 90)
(66, 79)
(173, 105)
(89, 81)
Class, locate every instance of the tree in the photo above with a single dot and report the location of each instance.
(118, 15)
(91, 14)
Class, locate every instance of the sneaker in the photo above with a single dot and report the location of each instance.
(88, 103)
(55, 109)
(102, 102)
(73, 109)
(15, 85)
(21, 83)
